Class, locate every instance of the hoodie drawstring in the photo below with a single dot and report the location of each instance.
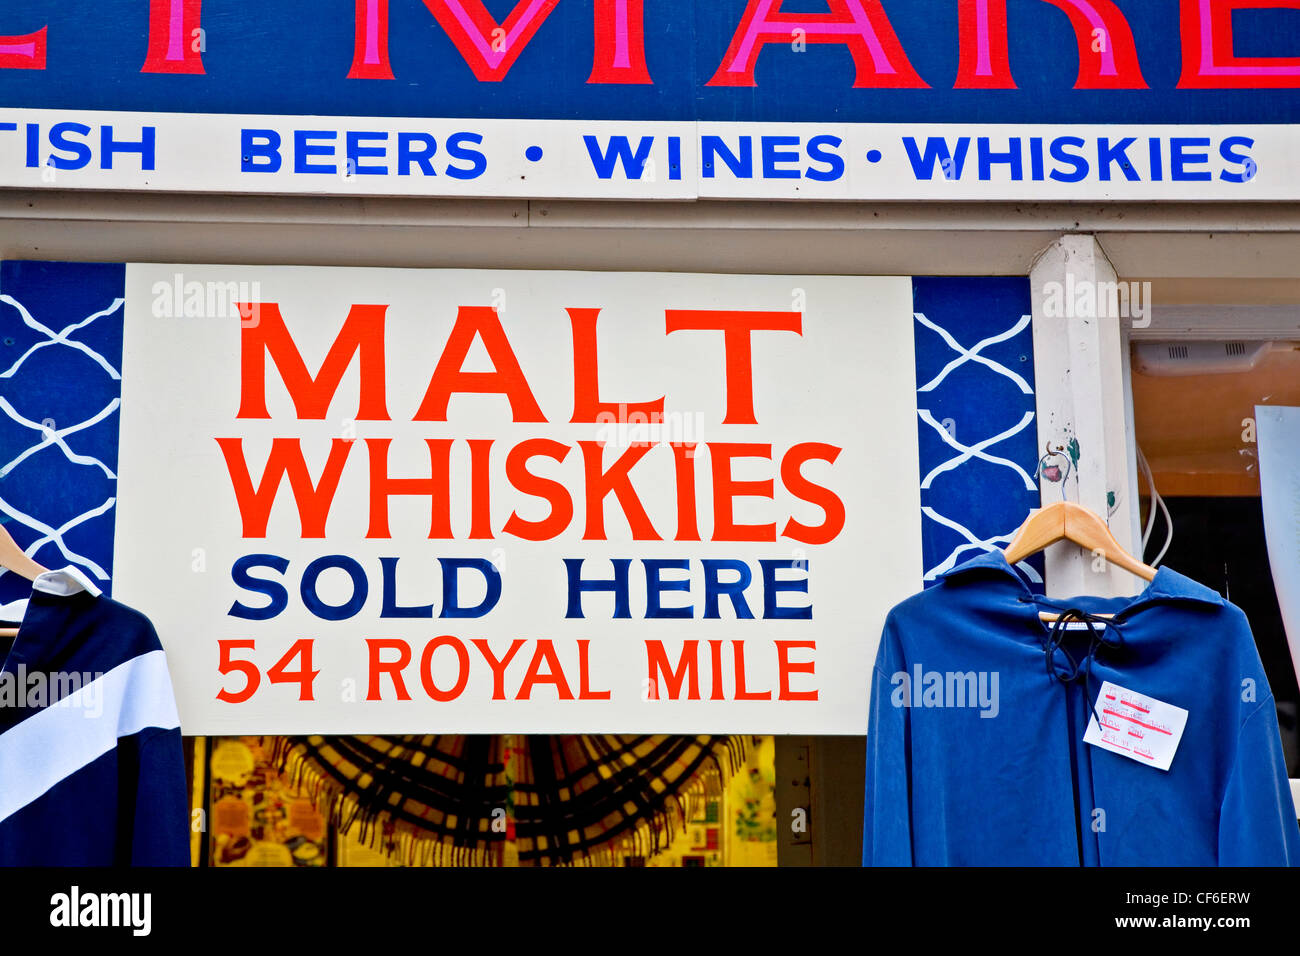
(1053, 644)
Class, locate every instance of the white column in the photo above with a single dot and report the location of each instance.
(1080, 370)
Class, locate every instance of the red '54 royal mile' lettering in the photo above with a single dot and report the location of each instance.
(1108, 54)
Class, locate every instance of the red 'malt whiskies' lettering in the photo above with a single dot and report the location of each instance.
(436, 487)
(286, 460)
(478, 322)
(605, 470)
(601, 481)
(737, 330)
(587, 406)
(362, 336)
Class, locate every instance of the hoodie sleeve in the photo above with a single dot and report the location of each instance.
(160, 835)
(887, 823)
(1257, 820)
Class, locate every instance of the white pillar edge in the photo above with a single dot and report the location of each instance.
(1084, 399)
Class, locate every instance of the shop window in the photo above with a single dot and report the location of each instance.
(250, 813)
(1194, 401)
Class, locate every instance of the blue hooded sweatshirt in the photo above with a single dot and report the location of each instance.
(1003, 777)
(92, 771)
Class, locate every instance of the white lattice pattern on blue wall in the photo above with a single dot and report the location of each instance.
(60, 389)
(975, 416)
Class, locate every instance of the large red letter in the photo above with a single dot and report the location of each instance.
(859, 24)
(554, 673)
(426, 668)
(383, 487)
(285, 459)
(687, 671)
(620, 43)
(370, 43)
(726, 489)
(362, 335)
(175, 37)
(801, 487)
(490, 48)
(587, 406)
(553, 492)
(982, 31)
(1108, 58)
(507, 379)
(1208, 60)
(688, 526)
(498, 665)
(736, 328)
(785, 667)
(26, 52)
(393, 669)
(601, 482)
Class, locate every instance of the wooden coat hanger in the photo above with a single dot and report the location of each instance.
(13, 558)
(1067, 521)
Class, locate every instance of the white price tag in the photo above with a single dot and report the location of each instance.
(1136, 726)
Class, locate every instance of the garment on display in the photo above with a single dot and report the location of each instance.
(91, 764)
(1007, 728)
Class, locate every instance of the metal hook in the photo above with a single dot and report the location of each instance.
(1053, 472)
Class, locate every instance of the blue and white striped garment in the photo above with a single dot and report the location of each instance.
(91, 766)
